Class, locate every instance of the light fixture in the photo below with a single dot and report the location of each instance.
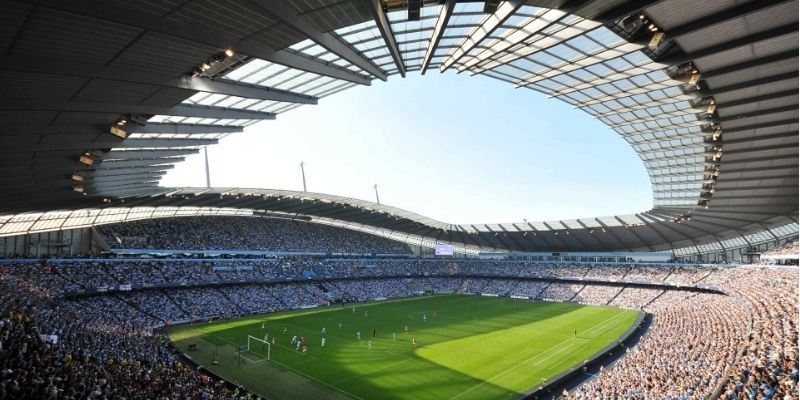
(118, 132)
(86, 159)
(229, 53)
(656, 40)
(77, 177)
(205, 66)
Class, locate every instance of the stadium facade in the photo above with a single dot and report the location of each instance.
(102, 98)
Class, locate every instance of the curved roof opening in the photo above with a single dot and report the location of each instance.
(455, 148)
(706, 97)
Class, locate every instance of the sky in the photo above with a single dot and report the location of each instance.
(453, 147)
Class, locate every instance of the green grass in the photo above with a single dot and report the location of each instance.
(475, 348)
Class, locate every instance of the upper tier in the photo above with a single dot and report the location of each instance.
(244, 233)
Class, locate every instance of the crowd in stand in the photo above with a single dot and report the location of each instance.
(596, 294)
(94, 348)
(73, 275)
(104, 343)
(635, 298)
(785, 254)
(684, 355)
(768, 369)
(790, 248)
(244, 233)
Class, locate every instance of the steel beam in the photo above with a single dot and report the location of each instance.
(112, 164)
(758, 125)
(748, 139)
(186, 110)
(41, 128)
(525, 235)
(590, 233)
(729, 45)
(633, 232)
(106, 186)
(728, 161)
(490, 6)
(748, 84)
(54, 66)
(164, 143)
(142, 194)
(438, 31)
(105, 142)
(124, 178)
(329, 41)
(414, 7)
(758, 113)
(671, 243)
(139, 154)
(136, 190)
(123, 188)
(494, 21)
(759, 178)
(646, 217)
(78, 146)
(707, 21)
(182, 110)
(131, 15)
(611, 232)
(624, 9)
(755, 62)
(755, 99)
(130, 171)
(385, 27)
(716, 210)
(189, 129)
(792, 185)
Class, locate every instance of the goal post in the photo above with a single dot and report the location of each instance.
(254, 343)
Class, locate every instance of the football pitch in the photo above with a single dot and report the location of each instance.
(467, 347)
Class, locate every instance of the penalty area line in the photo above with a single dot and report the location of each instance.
(553, 351)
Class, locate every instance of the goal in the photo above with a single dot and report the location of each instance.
(254, 343)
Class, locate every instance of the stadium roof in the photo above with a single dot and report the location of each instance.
(101, 98)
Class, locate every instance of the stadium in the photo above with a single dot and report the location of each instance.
(114, 285)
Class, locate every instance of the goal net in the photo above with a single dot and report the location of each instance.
(255, 344)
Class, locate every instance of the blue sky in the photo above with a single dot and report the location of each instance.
(457, 148)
